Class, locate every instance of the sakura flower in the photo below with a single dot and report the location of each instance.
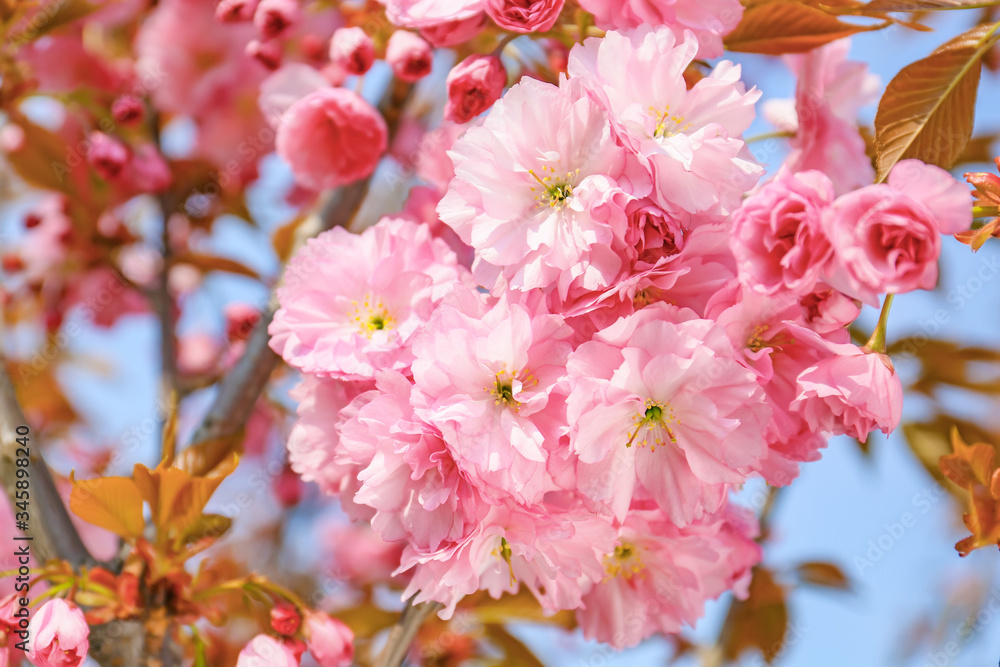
(709, 21)
(690, 139)
(524, 15)
(331, 137)
(473, 86)
(410, 476)
(314, 449)
(352, 49)
(830, 91)
(658, 399)
(107, 155)
(429, 13)
(555, 552)
(265, 651)
(387, 282)
(59, 635)
(778, 237)
(659, 576)
(330, 641)
(888, 236)
(409, 55)
(847, 391)
(527, 180)
(273, 18)
(489, 381)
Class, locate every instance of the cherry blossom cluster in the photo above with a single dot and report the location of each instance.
(639, 329)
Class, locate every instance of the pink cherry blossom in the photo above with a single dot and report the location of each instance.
(888, 236)
(58, 635)
(452, 33)
(690, 139)
(388, 281)
(429, 13)
(107, 155)
(659, 576)
(352, 49)
(234, 11)
(527, 181)
(331, 137)
(473, 86)
(265, 651)
(489, 379)
(313, 445)
(831, 90)
(554, 551)
(778, 237)
(409, 55)
(410, 476)
(330, 641)
(524, 15)
(659, 399)
(709, 21)
(273, 18)
(847, 391)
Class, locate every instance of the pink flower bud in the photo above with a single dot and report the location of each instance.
(127, 110)
(59, 635)
(233, 11)
(331, 137)
(148, 171)
(264, 651)
(330, 641)
(352, 49)
(285, 618)
(409, 55)
(473, 86)
(107, 155)
(524, 15)
(267, 52)
(275, 17)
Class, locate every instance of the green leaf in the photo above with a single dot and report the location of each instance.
(927, 110)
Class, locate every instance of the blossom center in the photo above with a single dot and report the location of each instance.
(555, 191)
(624, 561)
(504, 553)
(667, 124)
(371, 315)
(653, 424)
(503, 389)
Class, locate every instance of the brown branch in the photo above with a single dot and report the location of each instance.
(240, 388)
(53, 534)
(403, 633)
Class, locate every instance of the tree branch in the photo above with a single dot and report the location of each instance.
(403, 633)
(49, 525)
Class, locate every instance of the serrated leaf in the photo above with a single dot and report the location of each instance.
(112, 503)
(784, 26)
(927, 110)
(826, 575)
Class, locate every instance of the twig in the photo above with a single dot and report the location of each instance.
(402, 634)
(53, 534)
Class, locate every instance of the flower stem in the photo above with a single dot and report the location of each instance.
(877, 342)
